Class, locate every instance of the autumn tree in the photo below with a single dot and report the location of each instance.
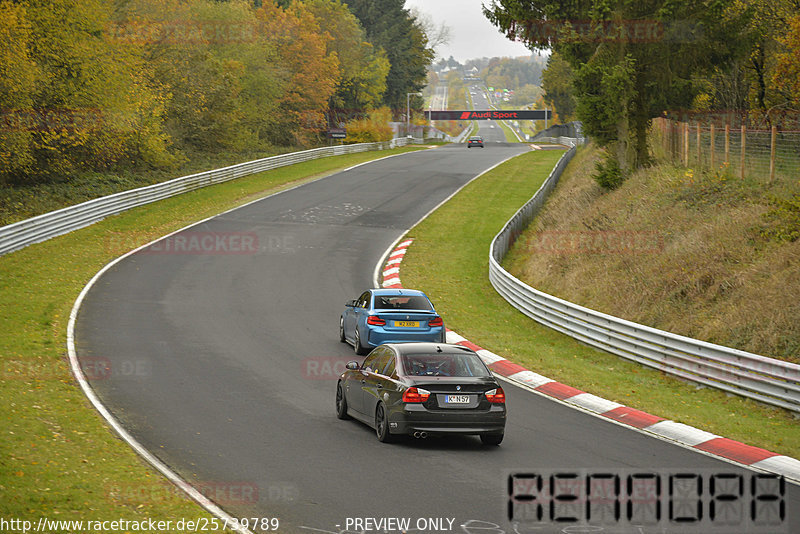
(762, 26)
(91, 85)
(95, 103)
(19, 75)
(309, 70)
(361, 81)
(632, 60)
(787, 71)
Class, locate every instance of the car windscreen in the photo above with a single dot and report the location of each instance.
(443, 364)
(402, 302)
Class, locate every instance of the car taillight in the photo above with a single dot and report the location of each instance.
(415, 394)
(496, 396)
(436, 321)
(375, 320)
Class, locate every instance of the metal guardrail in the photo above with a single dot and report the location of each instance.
(463, 135)
(566, 141)
(765, 379)
(43, 227)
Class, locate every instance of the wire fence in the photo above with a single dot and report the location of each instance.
(768, 154)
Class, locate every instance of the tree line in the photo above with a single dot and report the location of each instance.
(618, 64)
(90, 85)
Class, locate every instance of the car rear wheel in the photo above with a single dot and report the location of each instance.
(341, 330)
(341, 403)
(492, 439)
(357, 345)
(382, 425)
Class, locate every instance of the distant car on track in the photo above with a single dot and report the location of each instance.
(423, 389)
(389, 316)
(475, 141)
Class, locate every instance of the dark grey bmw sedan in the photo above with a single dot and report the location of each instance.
(423, 389)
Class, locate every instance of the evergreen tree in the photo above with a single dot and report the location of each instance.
(391, 27)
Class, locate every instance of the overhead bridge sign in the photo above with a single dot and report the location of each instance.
(491, 114)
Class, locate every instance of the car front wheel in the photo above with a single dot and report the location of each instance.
(341, 403)
(341, 330)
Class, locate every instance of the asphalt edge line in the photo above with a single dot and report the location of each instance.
(112, 421)
(670, 431)
(150, 458)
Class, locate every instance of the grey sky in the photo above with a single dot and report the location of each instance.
(471, 34)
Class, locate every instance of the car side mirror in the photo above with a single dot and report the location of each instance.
(351, 304)
(353, 366)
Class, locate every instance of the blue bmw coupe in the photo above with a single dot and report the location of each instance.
(389, 316)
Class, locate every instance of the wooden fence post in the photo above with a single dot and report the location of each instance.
(698, 144)
(743, 149)
(711, 153)
(686, 144)
(727, 143)
(772, 153)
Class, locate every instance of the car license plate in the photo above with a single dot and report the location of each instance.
(407, 324)
(457, 399)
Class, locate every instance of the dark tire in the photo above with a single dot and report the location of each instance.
(357, 345)
(492, 439)
(341, 403)
(341, 330)
(382, 425)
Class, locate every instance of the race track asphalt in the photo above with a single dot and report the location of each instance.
(221, 364)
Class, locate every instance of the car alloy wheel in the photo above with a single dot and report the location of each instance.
(382, 425)
(341, 403)
(357, 345)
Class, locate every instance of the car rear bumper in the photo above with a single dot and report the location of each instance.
(378, 337)
(416, 418)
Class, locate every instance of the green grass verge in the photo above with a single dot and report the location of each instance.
(510, 137)
(449, 261)
(57, 456)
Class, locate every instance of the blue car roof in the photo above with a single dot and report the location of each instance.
(399, 292)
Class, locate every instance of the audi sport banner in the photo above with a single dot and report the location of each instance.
(493, 114)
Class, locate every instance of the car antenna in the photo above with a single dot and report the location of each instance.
(438, 348)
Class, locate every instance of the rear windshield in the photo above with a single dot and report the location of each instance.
(444, 364)
(397, 302)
